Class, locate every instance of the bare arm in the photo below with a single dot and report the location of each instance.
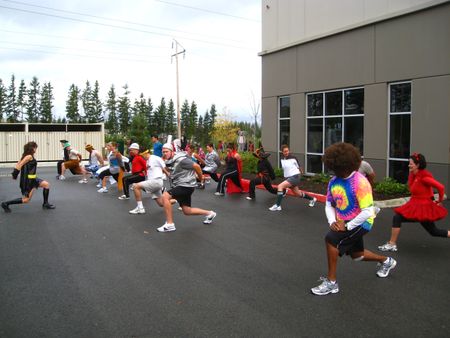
(198, 171)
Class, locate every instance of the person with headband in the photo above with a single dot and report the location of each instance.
(29, 182)
(350, 213)
(184, 173)
(421, 207)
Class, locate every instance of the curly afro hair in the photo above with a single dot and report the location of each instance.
(342, 158)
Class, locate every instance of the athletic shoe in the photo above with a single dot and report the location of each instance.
(99, 185)
(180, 208)
(57, 177)
(62, 178)
(137, 211)
(112, 181)
(167, 227)
(312, 202)
(6, 207)
(48, 206)
(123, 197)
(200, 186)
(83, 181)
(275, 208)
(385, 267)
(376, 211)
(325, 288)
(102, 190)
(218, 194)
(388, 247)
(207, 181)
(249, 198)
(209, 218)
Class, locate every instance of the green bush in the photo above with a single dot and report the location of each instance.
(278, 172)
(389, 186)
(321, 178)
(249, 163)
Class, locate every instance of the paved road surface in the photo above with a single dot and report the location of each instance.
(89, 269)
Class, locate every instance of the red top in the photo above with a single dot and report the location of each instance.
(139, 166)
(421, 206)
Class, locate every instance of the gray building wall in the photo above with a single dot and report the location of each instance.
(414, 47)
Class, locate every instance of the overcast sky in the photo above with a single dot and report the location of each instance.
(130, 42)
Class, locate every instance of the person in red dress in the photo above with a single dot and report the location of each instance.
(421, 207)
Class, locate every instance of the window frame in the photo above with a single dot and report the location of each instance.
(279, 118)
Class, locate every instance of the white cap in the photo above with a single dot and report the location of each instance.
(167, 146)
(134, 146)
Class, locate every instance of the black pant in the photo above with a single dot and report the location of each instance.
(212, 175)
(261, 180)
(430, 227)
(129, 180)
(232, 175)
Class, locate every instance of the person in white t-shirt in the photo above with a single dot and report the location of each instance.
(156, 169)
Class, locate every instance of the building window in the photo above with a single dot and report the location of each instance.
(399, 130)
(284, 124)
(334, 116)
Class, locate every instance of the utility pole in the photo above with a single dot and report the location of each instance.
(182, 51)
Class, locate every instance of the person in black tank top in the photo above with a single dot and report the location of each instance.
(29, 181)
(231, 171)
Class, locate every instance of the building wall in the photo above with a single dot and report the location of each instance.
(413, 47)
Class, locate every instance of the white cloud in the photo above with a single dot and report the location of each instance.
(221, 65)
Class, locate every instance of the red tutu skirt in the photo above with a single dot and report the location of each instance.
(422, 210)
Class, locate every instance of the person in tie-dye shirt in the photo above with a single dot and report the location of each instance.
(350, 213)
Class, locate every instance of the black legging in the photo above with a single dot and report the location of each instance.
(212, 175)
(232, 175)
(129, 180)
(108, 173)
(261, 180)
(430, 227)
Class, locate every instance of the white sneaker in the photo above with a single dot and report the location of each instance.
(180, 208)
(137, 211)
(102, 190)
(123, 197)
(83, 181)
(249, 198)
(112, 181)
(99, 185)
(209, 218)
(312, 202)
(387, 247)
(218, 193)
(385, 267)
(275, 208)
(62, 177)
(167, 227)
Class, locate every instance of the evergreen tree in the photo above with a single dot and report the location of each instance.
(112, 124)
(138, 129)
(12, 113)
(149, 117)
(46, 103)
(3, 98)
(193, 119)
(160, 117)
(72, 111)
(213, 116)
(96, 115)
(184, 113)
(21, 98)
(86, 101)
(33, 100)
(199, 132)
(124, 109)
(171, 123)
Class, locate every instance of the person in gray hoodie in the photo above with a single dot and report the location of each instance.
(184, 173)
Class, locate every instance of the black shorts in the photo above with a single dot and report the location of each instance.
(347, 242)
(182, 195)
(31, 184)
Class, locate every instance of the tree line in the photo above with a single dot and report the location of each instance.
(123, 118)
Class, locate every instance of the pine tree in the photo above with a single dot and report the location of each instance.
(46, 103)
(112, 124)
(2, 100)
(193, 120)
(72, 111)
(33, 100)
(12, 113)
(171, 126)
(86, 101)
(138, 129)
(160, 117)
(21, 98)
(96, 115)
(124, 109)
(149, 117)
(184, 114)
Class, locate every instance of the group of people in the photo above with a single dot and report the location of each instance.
(349, 205)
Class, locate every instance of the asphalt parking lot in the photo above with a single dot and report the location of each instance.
(90, 269)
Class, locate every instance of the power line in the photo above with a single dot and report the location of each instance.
(118, 20)
(207, 10)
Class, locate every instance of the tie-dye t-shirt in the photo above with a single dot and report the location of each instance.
(349, 195)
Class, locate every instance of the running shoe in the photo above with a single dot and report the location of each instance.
(48, 206)
(167, 227)
(99, 185)
(209, 218)
(137, 211)
(83, 181)
(123, 197)
(325, 288)
(102, 190)
(6, 207)
(312, 202)
(275, 208)
(249, 198)
(388, 247)
(385, 267)
(62, 177)
(218, 193)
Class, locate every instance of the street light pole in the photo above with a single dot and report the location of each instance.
(183, 51)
